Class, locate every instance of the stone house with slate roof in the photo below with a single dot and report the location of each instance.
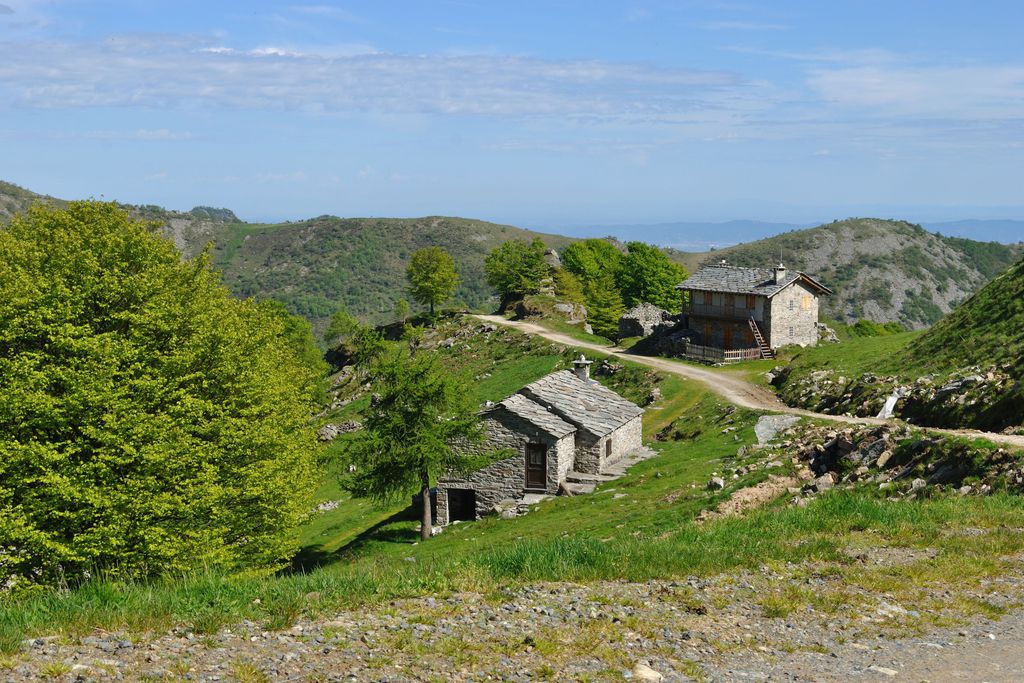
(760, 309)
(561, 424)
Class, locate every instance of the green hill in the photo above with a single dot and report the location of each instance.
(315, 264)
(881, 270)
(988, 329)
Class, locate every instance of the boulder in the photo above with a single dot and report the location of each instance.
(641, 320)
(643, 672)
(716, 483)
(552, 258)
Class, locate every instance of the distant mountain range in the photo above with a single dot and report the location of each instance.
(884, 270)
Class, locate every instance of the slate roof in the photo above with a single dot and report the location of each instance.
(737, 280)
(586, 404)
(536, 414)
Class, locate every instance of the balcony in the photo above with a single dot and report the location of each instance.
(722, 312)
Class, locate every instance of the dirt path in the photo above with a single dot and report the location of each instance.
(733, 389)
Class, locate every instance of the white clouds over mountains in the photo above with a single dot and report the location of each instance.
(164, 71)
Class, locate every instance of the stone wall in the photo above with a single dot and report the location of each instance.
(792, 317)
(507, 478)
(587, 452)
(590, 450)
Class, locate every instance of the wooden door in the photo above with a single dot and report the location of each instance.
(536, 466)
(727, 341)
(730, 306)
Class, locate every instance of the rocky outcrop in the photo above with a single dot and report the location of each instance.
(987, 399)
(330, 432)
(899, 460)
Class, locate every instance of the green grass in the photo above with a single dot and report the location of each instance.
(369, 555)
(855, 355)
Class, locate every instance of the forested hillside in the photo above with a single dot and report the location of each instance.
(882, 270)
(314, 265)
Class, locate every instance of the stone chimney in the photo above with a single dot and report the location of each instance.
(780, 274)
(581, 367)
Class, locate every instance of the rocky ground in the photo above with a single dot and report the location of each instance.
(693, 629)
(965, 398)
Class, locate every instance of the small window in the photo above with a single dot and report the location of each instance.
(792, 304)
(790, 331)
(805, 303)
(608, 448)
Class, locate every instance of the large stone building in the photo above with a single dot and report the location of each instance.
(751, 309)
(562, 423)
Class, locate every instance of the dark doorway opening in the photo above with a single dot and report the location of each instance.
(608, 448)
(536, 466)
(461, 505)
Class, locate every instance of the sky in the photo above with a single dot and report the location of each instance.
(541, 114)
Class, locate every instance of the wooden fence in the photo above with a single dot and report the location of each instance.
(710, 354)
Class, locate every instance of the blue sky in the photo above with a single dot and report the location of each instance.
(546, 114)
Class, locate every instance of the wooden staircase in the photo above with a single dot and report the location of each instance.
(766, 351)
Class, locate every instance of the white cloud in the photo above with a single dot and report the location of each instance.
(954, 93)
(165, 71)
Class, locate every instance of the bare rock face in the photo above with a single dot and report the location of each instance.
(552, 258)
(642, 320)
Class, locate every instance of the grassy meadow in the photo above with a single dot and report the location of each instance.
(642, 526)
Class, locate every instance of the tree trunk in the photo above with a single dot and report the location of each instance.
(427, 523)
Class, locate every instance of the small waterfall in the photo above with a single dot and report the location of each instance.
(890, 404)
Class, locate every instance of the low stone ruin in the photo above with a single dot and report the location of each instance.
(644, 320)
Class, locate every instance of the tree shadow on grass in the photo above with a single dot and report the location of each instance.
(385, 531)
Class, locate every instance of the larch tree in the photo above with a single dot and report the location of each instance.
(418, 426)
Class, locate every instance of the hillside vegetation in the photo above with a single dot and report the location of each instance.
(881, 270)
(314, 265)
(987, 329)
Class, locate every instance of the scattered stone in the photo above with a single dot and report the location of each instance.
(716, 483)
(885, 671)
(643, 672)
(769, 425)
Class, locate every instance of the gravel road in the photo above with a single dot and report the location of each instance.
(730, 387)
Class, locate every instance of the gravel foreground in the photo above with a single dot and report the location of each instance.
(711, 630)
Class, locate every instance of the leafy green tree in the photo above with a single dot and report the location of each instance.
(298, 333)
(420, 412)
(402, 310)
(516, 269)
(647, 275)
(432, 276)
(342, 327)
(150, 423)
(590, 259)
(604, 306)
